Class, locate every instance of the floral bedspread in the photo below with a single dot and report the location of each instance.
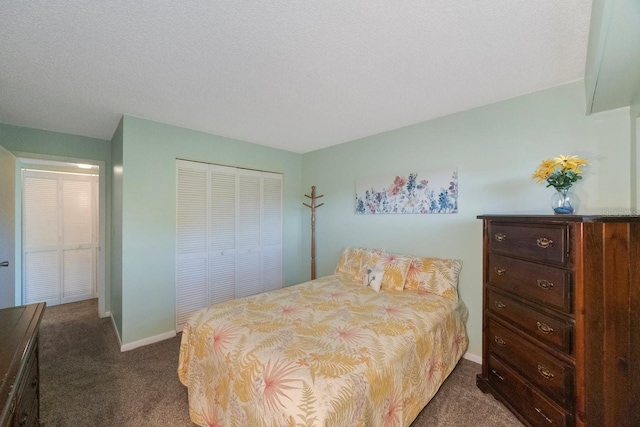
(329, 352)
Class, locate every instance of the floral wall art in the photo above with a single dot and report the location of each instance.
(434, 191)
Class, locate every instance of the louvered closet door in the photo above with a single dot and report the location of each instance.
(191, 239)
(228, 235)
(78, 237)
(59, 237)
(222, 253)
(249, 212)
(271, 264)
(41, 252)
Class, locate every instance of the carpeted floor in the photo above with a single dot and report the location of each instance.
(87, 381)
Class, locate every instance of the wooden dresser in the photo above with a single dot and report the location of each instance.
(19, 390)
(561, 318)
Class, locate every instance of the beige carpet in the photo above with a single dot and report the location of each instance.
(87, 381)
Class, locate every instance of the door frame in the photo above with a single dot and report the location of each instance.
(8, 227)
(42, 161)
(635, 169)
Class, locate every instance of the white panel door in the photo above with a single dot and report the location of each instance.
(228, 235)
(249, 235)
(271, 264)
(41, 238)
(78, 237)
(222, 251)
(59, 237)
(192, 271)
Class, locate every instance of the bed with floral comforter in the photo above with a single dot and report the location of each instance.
(329, 352)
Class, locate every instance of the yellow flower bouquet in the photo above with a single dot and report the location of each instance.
(560, 172)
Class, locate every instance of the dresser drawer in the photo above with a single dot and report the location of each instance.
(544, 243)
(26, 413)
(27, 416)
(545, 328)
(548, 285)
(551, 375)
(534, 406)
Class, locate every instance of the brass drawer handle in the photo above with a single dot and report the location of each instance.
(500, 305)
(544, 243)
(544, 328)
(545, 284)
(549, 420)
(500, 377)
(500, 237)
(500, 341)
(500, 271)
(545, 372)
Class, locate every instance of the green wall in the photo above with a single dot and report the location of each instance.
(148, 218)
(62, 145)
(496, 148)
(42, 144)
(116, 226)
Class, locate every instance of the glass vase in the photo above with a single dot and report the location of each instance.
(561, 202)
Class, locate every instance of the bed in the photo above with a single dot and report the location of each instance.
(328, 352)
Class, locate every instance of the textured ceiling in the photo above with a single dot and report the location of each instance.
(296, 75)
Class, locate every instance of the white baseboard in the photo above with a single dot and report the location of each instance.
(147, 341)
(473, 357)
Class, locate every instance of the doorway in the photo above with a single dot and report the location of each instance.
(55, 164)
(59, 236)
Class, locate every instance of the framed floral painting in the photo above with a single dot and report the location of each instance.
(434, 191)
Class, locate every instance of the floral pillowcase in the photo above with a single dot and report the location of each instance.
(434, 275)
(350, 262)
(394, 266)
(369, 260)
(395, 270)
(398, 272)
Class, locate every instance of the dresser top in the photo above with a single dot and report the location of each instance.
(617, 216)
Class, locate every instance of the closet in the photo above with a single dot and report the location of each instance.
(59, 238)
(228, 235)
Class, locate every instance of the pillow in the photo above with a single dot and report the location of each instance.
(373, 278)
(395, 270)
(368, 261)
(434, 275)
(349, 262)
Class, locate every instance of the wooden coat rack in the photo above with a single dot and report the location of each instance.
(313, 207)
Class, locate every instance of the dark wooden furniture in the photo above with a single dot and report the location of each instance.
(561, 318)
(19, 390)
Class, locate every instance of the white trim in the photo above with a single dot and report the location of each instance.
(472, 357)
(102, 240)
(147, 341)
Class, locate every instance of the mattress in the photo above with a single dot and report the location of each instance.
(329, 352)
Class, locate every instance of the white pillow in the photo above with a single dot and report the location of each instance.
(373, 278)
